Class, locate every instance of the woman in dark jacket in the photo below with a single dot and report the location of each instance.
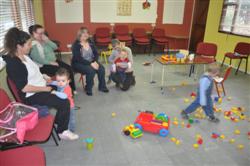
(85, 61)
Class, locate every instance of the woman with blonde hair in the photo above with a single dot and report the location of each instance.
(85, 61)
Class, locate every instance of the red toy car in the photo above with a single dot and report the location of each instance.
(158, 124)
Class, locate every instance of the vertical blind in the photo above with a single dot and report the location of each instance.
(235, 17)
(15, 13)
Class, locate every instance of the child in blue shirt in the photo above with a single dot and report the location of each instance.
(203, 98)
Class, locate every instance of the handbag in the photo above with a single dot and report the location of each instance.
(15, 120)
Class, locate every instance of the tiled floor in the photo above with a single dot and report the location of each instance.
(112, 148)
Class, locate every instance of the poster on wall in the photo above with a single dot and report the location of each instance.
(173, 11)
(123, 11)
(124, 7)
(69, 11)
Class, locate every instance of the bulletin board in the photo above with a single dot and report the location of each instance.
(69, 11)
(173, 11)
(108, 11)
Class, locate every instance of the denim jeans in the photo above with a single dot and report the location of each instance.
(208, 109)
(72, 120)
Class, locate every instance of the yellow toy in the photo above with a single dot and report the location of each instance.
(132, 131)
(195, 146)
(186, 100)
(240, 146)
(220, 100)
(231, 141)
(175, 123)
(177, 142)
(222, 136)
(173, 139)
(237, 132)
(113, 114)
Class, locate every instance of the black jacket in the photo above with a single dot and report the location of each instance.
(77, 54)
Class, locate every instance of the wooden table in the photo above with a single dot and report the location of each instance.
(165, 63)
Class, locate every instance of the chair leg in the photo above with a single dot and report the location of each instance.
(54, 138)
(222, 85)
(238, 67)
(223, 61)
(246, 65)
(54, 128)
(217, 89)
(191, 70)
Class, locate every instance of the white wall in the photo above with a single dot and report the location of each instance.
(103, 11)
(173, 11)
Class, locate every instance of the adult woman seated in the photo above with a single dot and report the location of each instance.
(123, 83)
(30, 82)
(85, 61)
(43, 54)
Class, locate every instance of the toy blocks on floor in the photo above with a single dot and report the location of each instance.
(133, 131)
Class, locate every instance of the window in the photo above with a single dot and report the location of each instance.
(15, 13)
(235, 17)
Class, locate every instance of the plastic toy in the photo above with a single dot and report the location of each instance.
(199, 139)
(231, 141)
(113, 114)
(133, 131)
(237, 132)
(188, 126)
(169, 58)
(173, 139)
(175, 123)
(190, 120)
(177, 142)
(89, 143)
(215, 135)
(196, 146)
(193, 95)
(149, 123)
(240, 146)
(222, 136)
(186, 100)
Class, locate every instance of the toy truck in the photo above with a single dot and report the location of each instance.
(132, 131)
(147, 121)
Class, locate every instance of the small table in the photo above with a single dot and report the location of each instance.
(196, 61)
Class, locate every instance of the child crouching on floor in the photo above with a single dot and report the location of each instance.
(203, 98)
(64, 91)
(122, 65)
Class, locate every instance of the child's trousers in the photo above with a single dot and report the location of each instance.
(72, 120)
(208, 109)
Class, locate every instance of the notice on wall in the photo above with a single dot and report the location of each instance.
(69, 11)
(124, 7)
(173, 11)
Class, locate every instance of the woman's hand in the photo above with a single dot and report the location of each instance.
(54, 63)
(47, 89)
(95, 65)
(45, 38)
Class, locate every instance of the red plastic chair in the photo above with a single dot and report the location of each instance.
(122, 34)
(206, 51)
(44, 129)
(220, 81)
(28, 156)
(159, 39)
(102, 36)
(243, 49)
(141, 38)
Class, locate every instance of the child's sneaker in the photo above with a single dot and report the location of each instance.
(213, 119)
(68, 135)
(184, 115)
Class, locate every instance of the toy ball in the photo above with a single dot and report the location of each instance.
(196, 146)
(232, 141)
(240, 146)
(237, 132)
(200, 141)
(220, 100)
(175, 123)
(113, 114)
(177, 142)
(188, 126)
(222, 136)
(186, 100)
(173, 139)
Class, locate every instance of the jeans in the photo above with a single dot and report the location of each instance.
(208, 109)
(72, 120)
(90, 74)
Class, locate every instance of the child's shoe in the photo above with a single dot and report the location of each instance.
(184, 115)
(68, 135)
(109, 81)
(213, 119)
